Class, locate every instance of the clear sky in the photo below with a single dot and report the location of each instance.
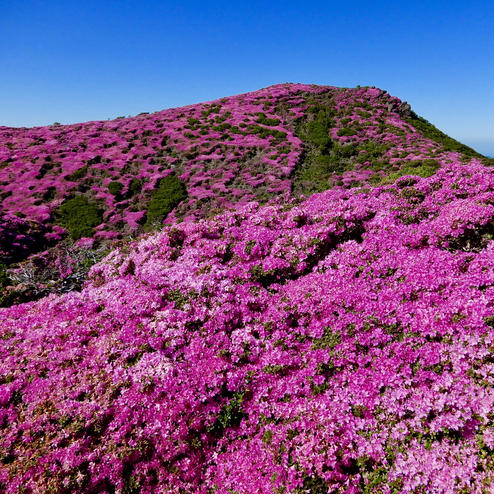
(72, 61)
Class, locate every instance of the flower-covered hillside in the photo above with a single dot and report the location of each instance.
(109, 180)
(235, 149)
(342, 343)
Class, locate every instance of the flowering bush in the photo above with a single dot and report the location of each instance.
(19, 238)
(169, 193)
(343, 343)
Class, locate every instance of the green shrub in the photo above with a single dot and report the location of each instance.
(264, 132)
(4, 279)
(345, 150)
(364, 104)
(317, 131)
(230, 415)
(328, 164)
(49, 194)
(425, 168)
(270, 122)
(373, 151)
(449, 144)
(329, 340)
(168, 194)
(6, 300)
(213, 108)
(135, 187)
(79, 216)
(96, 159)
(78, 174)
(222, 127)
(363, 114)
(313, 484)
(347, 131)
(115, 187)
(422, 168)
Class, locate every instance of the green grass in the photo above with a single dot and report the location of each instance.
(422, 168)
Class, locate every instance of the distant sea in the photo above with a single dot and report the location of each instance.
(483, 147)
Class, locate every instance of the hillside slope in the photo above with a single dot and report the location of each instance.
(114, 179)
(310, 341)
(341, 344)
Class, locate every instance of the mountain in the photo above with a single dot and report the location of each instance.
(109, 180)
(315, 314)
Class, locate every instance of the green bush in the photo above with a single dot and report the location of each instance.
(313, 484)
(363, 114)
(4, 279)
(422, 168)
(222, 127)
(115, 187)
(6, 299)
(79, 216)
(347, 131)
(168, 194)
(425, 168)
(95, 160)
(449, 144)
(328, 164)
(318, 129)
(78, 174)
(323, 157)
(318, 134)
(270, 122)
(345, 150)
(49, 194)
(264, 132)
(373, 151)
(135, 187)
(230, 415)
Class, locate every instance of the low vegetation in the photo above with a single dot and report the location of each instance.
(169, 192)
(79, 216)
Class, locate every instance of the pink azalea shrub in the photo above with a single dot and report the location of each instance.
(232, 150)
(343, 344)
(19, 238)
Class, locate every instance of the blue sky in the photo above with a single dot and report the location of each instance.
(72, 61)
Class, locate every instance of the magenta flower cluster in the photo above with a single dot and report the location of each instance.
(19, 237)
(341, 344)
(210, 146)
